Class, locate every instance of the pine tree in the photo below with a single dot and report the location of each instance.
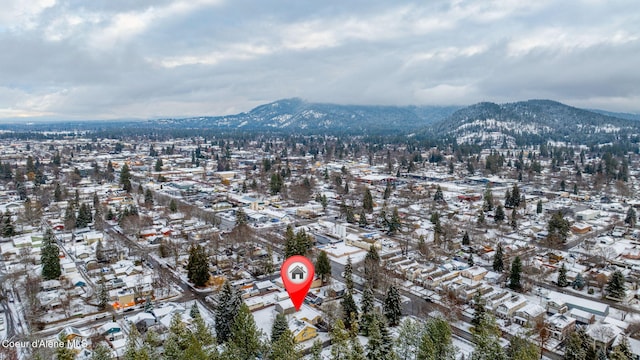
(631, 217)
(125, 178)
(244, 340)
(158, 166)
(7, 227)
(513, 220)
(486, 338)
(367, 201)
(103, 294)
(101, 352)
(348, 275)
(498, 216)
(558, 227)
(498, 262)
(387, 191)
(539, 207)
(57, 193)
(579, 282)
(394, 224)
(323, 266)
(70, 217)
(284, 347)
(362, 221)
(64, 352)
(49, 257)
(280, 325)
(392, 306)
(562, 276)
(148, 198)
(622, 351)
(372, 266)
(522, 349)
(202, 332)
(375, 348)
(480, 219)
(316, 350)
(574, 349)
(367, 307)
(173, 206)
(229, 302)
(465, 239)
(339, 341)
(408, 341)
(514, 275)
(488, 199)
(198, 266)
(616, 287)
(349, 309)
(478, 311)
(439, 331)
(438, 196)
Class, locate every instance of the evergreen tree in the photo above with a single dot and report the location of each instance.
(486, 338)
(57, 193)
(367, 201)
(101, 352)
(202, 332)
(372, 266)
(498, 215)
(631, 217)
(316, 350)
(622, 351)
(323, 266)
(514, 275)
(574, 349)
(339, 341)
(439, 331)
(49, 257)
(376, 347)
(280, 325)
(498, 262)
(229, 302)
(70, 220)
(579, 282)
(465, 239)
(64, 352)
(438, 196)
(198, 265)
(408, 341)
(362, 221)
(173, 206)
(394, 224)
(387, 191)
(367, 307)
(479, 312)
(488, 200)
(513, 221)
(348, 275)
(539, 207)
(132, 349)
(349, 309)
(558, 227)
(158, 166)
(616, 287)
(284, 347)
(148, 198)
(392, 306)
(522, 349)
(125, 178)
(480, 219)
(103, 294)
(8, 229)
(244, 341)
(562, 276)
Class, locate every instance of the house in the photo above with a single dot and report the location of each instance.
(109, 328)
(603, 335)
(582, 316)
(560, 326)
(529, 315)
(507, 309)
(70, 333)
(302, 330)
(475, 273)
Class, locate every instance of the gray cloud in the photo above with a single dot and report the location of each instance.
(116, 59)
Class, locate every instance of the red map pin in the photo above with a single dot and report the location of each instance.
(297, 275)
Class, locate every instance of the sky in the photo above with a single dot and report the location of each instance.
(115, 59)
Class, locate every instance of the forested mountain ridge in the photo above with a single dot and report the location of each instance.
(296, 115)
(531, 122)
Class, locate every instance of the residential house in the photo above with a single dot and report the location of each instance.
(560, 326)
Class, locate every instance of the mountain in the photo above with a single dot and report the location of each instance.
(628, 116)
(296, 115)
(531, 122)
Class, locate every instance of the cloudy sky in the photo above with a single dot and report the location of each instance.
(106, 59)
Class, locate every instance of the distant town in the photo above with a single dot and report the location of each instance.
(168, 246)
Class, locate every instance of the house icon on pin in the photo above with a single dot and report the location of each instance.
(297, 272)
